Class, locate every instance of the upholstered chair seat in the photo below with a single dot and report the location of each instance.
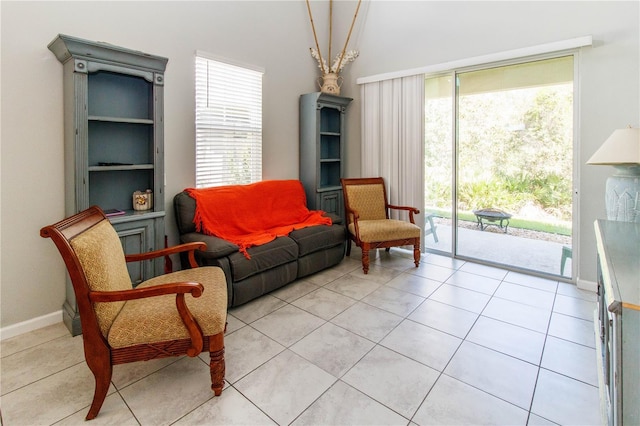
(155, 319)
(373, 231)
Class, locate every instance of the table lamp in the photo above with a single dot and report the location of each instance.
(622, 151)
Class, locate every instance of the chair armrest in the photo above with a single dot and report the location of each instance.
(415, 210)
(179, 289)
(187, 247)
(411, 210)
(353, 214)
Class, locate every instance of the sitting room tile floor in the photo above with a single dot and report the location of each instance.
(450, 342)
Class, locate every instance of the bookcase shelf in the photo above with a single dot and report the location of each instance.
(120, 119)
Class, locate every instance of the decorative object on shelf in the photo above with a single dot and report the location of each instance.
(622, 196)
(143, 200)
(330, 81)
(113, 212)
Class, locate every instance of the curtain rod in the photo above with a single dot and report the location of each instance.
(539, 49)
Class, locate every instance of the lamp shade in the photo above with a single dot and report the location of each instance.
(621, 148)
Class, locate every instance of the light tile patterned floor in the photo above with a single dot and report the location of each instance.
(450, 342)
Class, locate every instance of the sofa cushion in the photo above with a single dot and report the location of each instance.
(259, 284)
(278, 252)
(317, 238)
(319, 260)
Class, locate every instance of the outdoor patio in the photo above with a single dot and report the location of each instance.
(492, 245)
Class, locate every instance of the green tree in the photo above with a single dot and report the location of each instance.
(515, 150)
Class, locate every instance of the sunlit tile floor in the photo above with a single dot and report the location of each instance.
(450, 342)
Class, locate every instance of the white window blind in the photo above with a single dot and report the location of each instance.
(228, 124)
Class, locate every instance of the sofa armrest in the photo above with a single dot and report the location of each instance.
(185, 209)
(335, 219)
(216, 247)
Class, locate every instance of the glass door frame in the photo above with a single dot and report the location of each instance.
(575, 240)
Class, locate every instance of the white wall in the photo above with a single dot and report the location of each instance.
(272, 35)
(400, 35)
(275, 35)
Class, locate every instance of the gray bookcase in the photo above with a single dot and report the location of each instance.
(322, 143)
(113, 127)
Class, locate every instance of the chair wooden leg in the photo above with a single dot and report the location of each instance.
(365, 258)
(349, 247)
(416, 253)
(102, 375)
(217, 364)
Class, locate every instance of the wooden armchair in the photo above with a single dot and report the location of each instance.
(122, 324)
(368, 223)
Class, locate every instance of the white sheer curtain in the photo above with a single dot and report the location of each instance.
(392, 143)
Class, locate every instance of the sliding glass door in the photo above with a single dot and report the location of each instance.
(508, 167)
(438, 162)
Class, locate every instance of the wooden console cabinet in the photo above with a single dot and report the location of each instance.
(618, 322)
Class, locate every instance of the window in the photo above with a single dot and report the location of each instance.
(228, 123)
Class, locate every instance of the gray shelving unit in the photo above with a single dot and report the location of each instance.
(322, 147)
(114, 144)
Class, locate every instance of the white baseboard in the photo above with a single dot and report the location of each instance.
(587, 285)
(30, 325)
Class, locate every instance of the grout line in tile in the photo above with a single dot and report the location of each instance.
(252, 403)
(408, 271)
(569, 377)
(43, 378)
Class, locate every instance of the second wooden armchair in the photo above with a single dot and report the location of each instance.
(368, 222)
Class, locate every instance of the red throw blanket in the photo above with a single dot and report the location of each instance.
(254, 214)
